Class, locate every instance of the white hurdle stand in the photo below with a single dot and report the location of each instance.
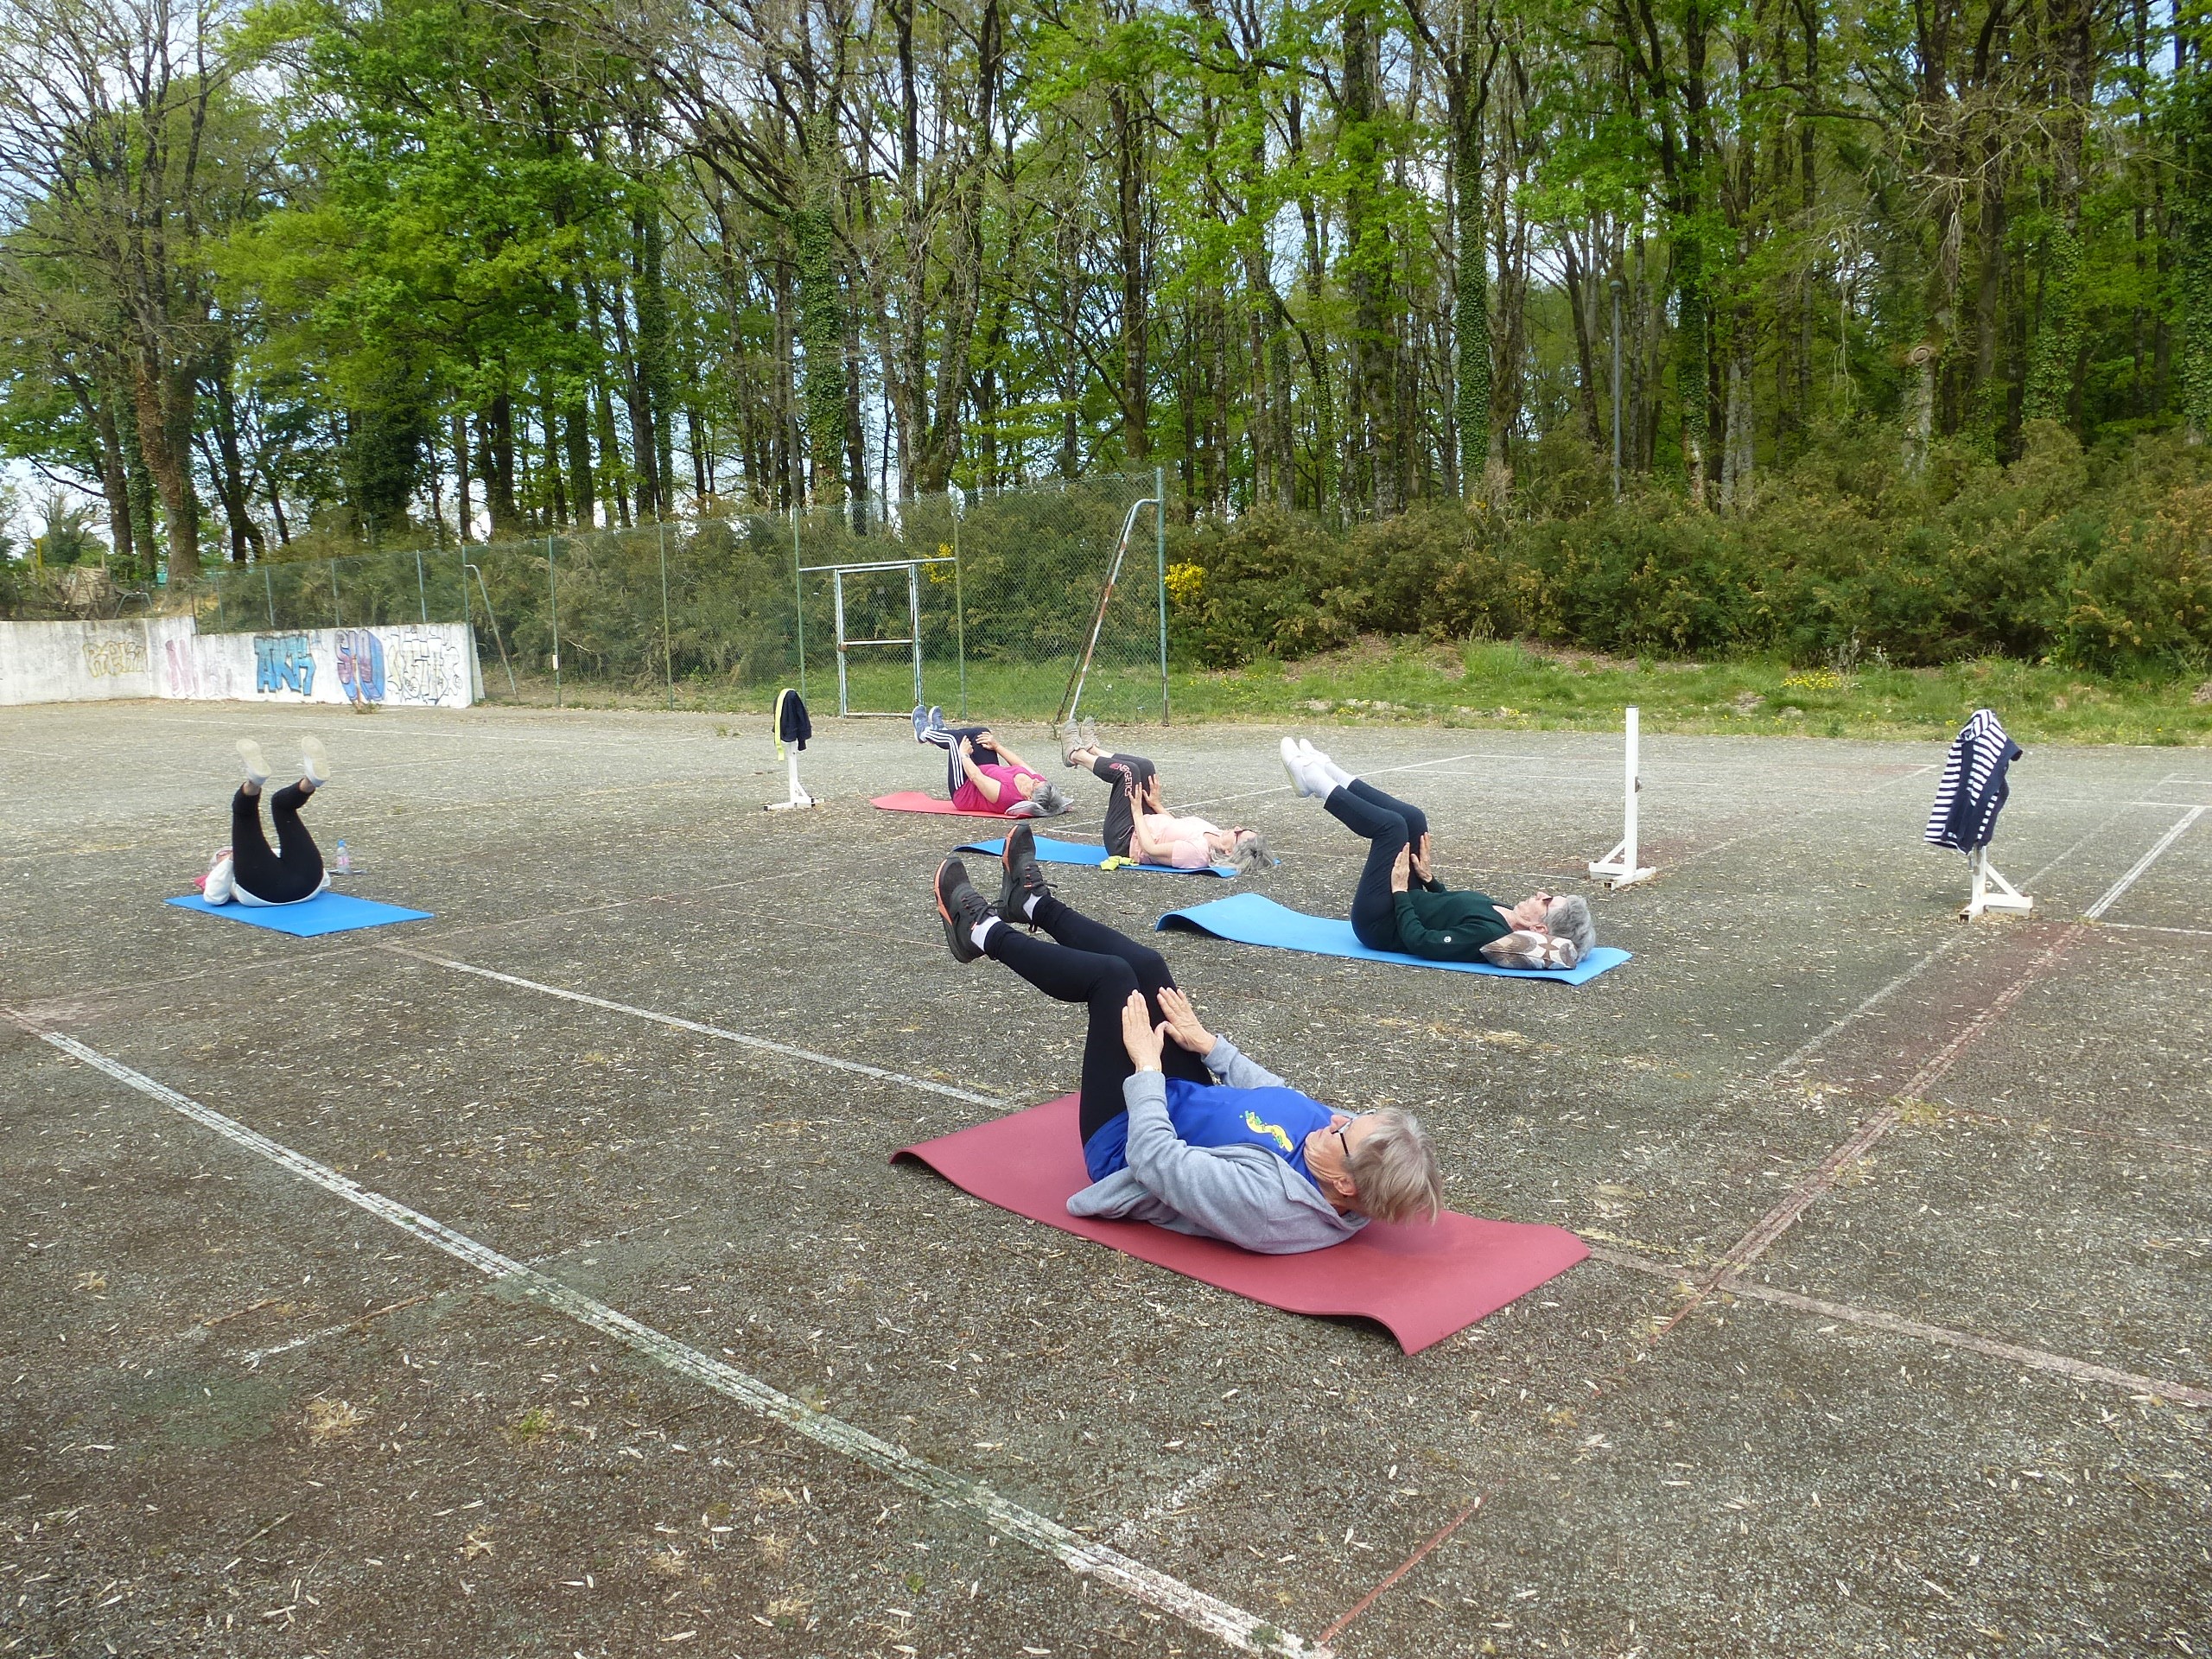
(798, 795)
(1618, 868)
(1991, 890)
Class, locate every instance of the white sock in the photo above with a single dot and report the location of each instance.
(981, 931)
(1029, 907)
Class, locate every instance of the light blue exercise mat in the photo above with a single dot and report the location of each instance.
(327, 912)
(1074, 852)
(1248, 919)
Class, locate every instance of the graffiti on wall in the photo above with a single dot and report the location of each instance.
(420, 667)
(114, 657)
(283, 662)
(185, 677)
(361, 665)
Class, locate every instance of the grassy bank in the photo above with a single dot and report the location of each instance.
(1511, 687)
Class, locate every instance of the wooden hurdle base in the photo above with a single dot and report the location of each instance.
(1992, 891)
(798, 796)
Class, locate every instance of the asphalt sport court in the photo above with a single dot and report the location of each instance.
(535, 1280)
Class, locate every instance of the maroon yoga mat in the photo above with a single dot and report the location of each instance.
(1422, 1282)
(913, 800)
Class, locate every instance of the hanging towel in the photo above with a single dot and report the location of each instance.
(1973, 787)
(792, 724)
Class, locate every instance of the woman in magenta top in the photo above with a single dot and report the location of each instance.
(993, 778)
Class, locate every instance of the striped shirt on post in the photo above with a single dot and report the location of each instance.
(1973, 787)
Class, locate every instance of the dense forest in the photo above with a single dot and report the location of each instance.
(288, 279)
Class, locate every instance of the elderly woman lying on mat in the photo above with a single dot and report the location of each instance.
(1401, 905)
(983, 775)
(247, 870)
(1138, 826)
(1178, 1128)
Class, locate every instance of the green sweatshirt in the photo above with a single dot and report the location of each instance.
(1435, 922)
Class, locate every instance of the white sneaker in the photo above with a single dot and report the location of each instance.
(1336, 774)
(256, 763)
(1306, 777)
(314, 761)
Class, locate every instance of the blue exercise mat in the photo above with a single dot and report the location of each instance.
(1073, 852)
(327, 912)
(1248, 919)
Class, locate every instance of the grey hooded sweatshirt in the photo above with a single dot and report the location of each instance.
(1244, 1194)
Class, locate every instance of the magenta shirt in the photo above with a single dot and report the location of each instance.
(969, 798)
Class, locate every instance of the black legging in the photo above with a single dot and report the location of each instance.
(1127, 776)
(1390, 826)
(1089, 962)
(981, 754)
(274, 878)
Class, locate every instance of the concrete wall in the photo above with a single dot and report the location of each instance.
(412, 665)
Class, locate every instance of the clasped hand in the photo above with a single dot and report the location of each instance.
(1146, 1042)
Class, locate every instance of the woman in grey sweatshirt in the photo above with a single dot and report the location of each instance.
(1178, 1128)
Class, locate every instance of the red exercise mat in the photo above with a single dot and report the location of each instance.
(1422, 1282)
(913, 800)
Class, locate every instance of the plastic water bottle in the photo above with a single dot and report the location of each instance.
(344, 860)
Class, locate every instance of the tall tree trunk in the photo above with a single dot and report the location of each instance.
(464, 513)
(1369, 261)
(1132, 248)
(2054, 366)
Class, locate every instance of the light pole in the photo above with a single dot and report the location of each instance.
(1616, 388)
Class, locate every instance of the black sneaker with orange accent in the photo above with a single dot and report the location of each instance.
(1023, 879)
(961, 908)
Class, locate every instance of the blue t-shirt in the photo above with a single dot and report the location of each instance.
(1209, 1115)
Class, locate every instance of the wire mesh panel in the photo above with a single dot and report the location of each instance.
(704, 613)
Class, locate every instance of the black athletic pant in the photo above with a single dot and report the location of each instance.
(1390, 826)
(948, 739)
(1127, 776)
(280, 878)
(1084, 961)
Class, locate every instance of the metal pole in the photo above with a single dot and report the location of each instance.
(837, 599)
(1617, 391)
(1159, 527)
(553, 612)
(959, 604)
(914, 623)
(667, 651)
(468, 621)
(334, 622)
(798, 603)
(422, 593)
(268, 593)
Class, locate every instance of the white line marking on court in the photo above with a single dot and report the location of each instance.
(1079, 1555)
(2112, 892)
(2040, 1360)
(2148, 927)
(718, 1032)
(1197, 1486)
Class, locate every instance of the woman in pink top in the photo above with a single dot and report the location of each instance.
(1189, 843)
(1002, 783)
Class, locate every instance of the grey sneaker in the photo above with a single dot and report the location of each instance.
(1090, 736)
(1024, 879)
(960, 907)
(1071, 742)
(921, 723)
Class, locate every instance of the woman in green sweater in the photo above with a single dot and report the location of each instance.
(1401, 905)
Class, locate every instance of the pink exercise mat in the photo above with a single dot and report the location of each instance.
(913, 800)
(1422, 1282)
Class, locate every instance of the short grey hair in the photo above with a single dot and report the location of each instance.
(1393, 1170)
(1569, 919)
(1052, 800)
(1248, 850)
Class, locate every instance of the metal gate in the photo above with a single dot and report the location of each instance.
(911, 640)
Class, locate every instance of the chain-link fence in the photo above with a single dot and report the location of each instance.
(982, 603)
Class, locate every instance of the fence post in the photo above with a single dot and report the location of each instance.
(335, 621)
(798, 603)
(553, 612)
(422, 594)
(667, 653)
(468, 621)
(268, 593)
(1159, 529)
(959, 603)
